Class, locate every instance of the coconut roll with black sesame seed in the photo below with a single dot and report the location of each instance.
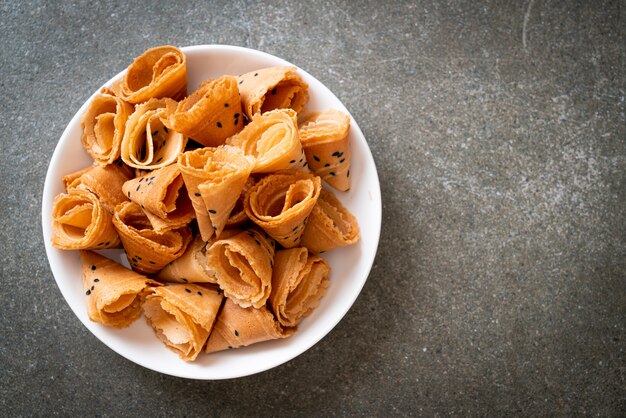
(211, 113)
(149, 143)
(238, 327)
(158, 72)
(325, 139)
(280, 203)
(80, 222)
(272, 88)
(182, 316)
(103, 181)
(113, 293)
(272, 139)
(299, 281)
(163, 197)
(147, 250)
(243, 267)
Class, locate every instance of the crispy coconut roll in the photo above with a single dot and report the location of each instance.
(272, 88)
(298, 283)
(324, 137)
(80, 221)
(159, 72)
(243, 266)
(237, 327)
(191, 267)
(103, 125)
(163, 197)
(238, 216)
(272, 138)
(182, 316)
(211, 113)
(113, 292)
(103, 181)
(148, 142)
(281, 203)
(214, 178)
(330, 225)
(147, 251)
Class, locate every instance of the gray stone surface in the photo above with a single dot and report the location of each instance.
(499, 132)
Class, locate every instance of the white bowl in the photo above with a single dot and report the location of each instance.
(350, 265)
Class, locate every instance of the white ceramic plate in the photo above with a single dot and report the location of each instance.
(350, 265)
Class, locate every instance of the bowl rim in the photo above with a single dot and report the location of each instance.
(376, 200)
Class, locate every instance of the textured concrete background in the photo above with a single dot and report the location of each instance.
(499, 132)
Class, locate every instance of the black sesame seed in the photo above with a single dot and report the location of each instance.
(342, 160)
(184, 280)
(165, 129)
(306, 164)
(155, 133)
(336, 154)
(129, 194)
(316, 158)
(294, 228)
(141, 179)
(327, 165)
(236, 333)
(348, 174)
(99, 244)
(138, 258)
(93, 267)
(151, 262)
(219, 124)
(133, 259)
(257, 242)
(255, 74)
(92, 288)
(88, 292)
(225, 104)
(230, 346)
(300, 160)
(96, 280)
(236, 122)
(159, 160)
(137, 189)
(197, 194)
(236, 115)
(200, 293)
(240, 81)
(273, 91)
(292, 161)
(107, 243)
(187, 290)
(212, 211)
(332, 173)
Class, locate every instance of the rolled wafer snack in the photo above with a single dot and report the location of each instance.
(280, 203)
(103, 181)
(182, 316)
(191, 267)
(272, 88)
(163, 198)
(298, 283)
(237, 327)
(103, 125)
(147, 251)
(227, 172)
(324, 137)
(113, 292)
(330, 225)
(243, 267)
(272, 138)
(211, 113)
(80, 221)
(148, 142)
(158, 72)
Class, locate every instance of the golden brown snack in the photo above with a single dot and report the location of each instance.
(272, 88)
(272, 139)
(113, 292)
(324, 137)
(330, 225)
(214, 178)
(281, 203)
(211, 113)
(238, 327)
(103, 125)
(191, 267)
(80, 221)
(103, 181)
(243, 267)
(149, 143)
(163, 198)
(298, 283)
(147, 251)
(159, 72)
(182, 316)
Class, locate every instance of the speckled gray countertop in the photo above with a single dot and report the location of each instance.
(499, 133)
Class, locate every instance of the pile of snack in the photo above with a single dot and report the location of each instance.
(216, 199)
